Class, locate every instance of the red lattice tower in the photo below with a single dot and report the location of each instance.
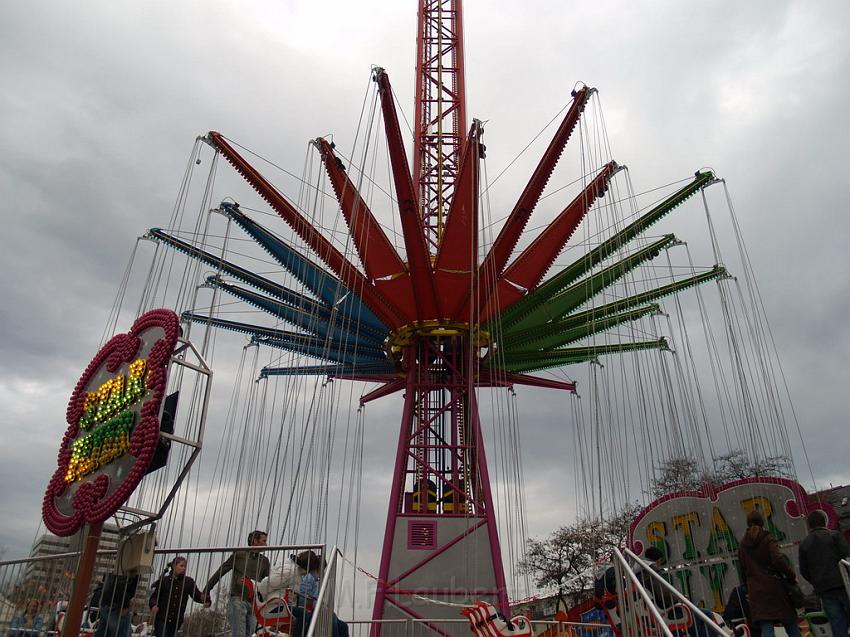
(440, 111)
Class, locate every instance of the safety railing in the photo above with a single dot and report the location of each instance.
(48, 580)
(460, 626)
(322, 622)
(638, 610)
(34, 592)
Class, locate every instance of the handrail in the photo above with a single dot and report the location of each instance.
(167, 550)
(55, 556)
(677, 594)
(844, 567)
(653, 609)
(322, 611)
(228, 549)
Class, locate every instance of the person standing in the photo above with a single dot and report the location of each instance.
(311, 567)
(244, 564)
(761, 562)
(820, 554)
(169, 597)
(113, 599)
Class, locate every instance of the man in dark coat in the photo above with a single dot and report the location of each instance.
(761, 562)
(169, 597)
(244, 564)
(820, 553)
(113, 598)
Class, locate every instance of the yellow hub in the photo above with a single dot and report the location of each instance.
(406, 334)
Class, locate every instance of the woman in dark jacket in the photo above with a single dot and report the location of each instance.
(761, 562)
(169, 597)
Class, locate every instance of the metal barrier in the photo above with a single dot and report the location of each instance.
(844, 567)
(633, 612)
(48, 580)
(637, 607)
(323, 612)
(34, 591)
(31, 590)
(418, 627)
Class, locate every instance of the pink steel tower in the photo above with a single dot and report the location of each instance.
(441, 541)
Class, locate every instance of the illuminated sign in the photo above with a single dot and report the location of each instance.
(699, 532)
(113, 425)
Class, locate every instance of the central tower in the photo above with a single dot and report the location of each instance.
(441, 541)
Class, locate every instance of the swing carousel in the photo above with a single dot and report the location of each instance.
(413, 280)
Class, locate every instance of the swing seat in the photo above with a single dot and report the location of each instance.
(88, 624)
(272, 615)
(140, 630)
(485, 621)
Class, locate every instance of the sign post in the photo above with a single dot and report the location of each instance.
(113, 421)
(74, 615)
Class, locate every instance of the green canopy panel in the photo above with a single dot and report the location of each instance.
(579, 268)
(514, 336)
(535, 361)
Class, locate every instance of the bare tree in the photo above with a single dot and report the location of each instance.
(560, 562)
(684, 473)
(564, 562)
(679, 473)
(737, 465)
(617, 526)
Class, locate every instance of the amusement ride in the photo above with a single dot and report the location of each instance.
(415, 287)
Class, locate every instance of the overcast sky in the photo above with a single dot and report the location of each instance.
(101, 103)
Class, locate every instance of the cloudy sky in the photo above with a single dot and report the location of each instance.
(101, 103)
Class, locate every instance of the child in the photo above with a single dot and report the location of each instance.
(170, 596)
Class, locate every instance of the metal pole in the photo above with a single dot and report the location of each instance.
(490, 513)
(619, 579)
(641, 591)
(684, 600)
(74, 616)
(844, 565)
(397, 488)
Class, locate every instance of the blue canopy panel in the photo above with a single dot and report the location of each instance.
(256, 331)
(319, 323)
(316, 279)
(365, 369)
(246, 276)
(340, 351)
(330, 350)
(377, 329)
